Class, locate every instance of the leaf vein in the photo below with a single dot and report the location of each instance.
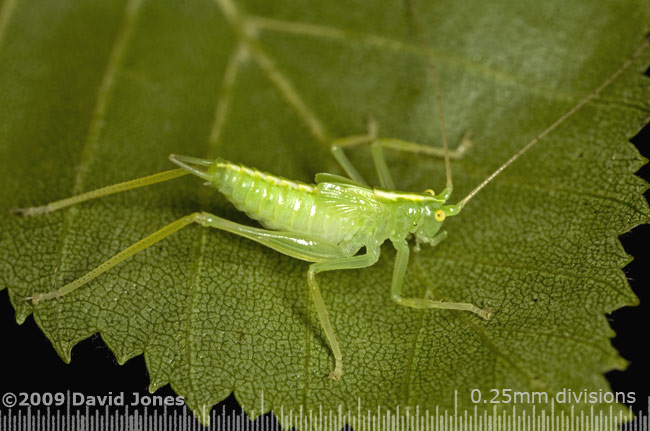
(248, 36)
(315, 30)
(96, 123)
(6, 12)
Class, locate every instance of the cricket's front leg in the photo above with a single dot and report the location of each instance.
(398, 278)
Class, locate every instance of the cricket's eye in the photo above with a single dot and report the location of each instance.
(439, 215)
(430, 192)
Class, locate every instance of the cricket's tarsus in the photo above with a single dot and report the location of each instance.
(326, 223)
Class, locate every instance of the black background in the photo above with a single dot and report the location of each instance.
(30, 364)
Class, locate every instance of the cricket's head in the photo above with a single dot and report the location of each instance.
(433, 218)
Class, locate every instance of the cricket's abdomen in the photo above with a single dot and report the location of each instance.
(279, 203)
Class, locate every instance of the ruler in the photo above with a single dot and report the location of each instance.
(180, 418)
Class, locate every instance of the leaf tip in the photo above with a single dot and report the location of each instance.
(155, 384)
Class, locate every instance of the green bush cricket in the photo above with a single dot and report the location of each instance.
(327, 223)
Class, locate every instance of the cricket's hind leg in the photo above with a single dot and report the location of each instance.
(378, 144)
(327, 257)
(101, 192)
(294, 245)
(188, 165)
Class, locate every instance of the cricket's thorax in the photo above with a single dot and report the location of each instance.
(350, 215)
(409, 212)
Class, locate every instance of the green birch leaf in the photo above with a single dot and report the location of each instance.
(95, 93)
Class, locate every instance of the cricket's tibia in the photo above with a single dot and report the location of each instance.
(101, 192)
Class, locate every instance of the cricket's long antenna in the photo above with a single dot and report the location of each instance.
(436, 92)
(559, 121)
